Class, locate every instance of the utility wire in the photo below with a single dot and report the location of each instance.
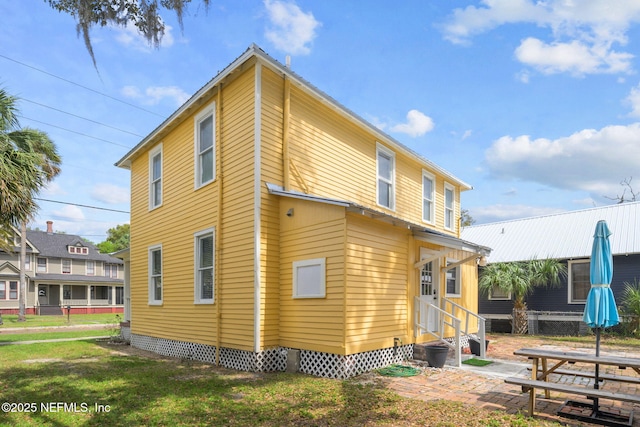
(78, 133)
(80, 117)
(79, 85)
(82, 206)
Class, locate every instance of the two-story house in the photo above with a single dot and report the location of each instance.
(269, 224)
(64, 272)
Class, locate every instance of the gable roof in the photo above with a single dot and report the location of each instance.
(55, 245)
(565, 235)
(254, 51)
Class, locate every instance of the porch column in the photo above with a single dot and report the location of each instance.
(60, 295)
(88, 295)
(113, 295)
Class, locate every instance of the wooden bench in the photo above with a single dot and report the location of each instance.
(587, 374)
(530, 386)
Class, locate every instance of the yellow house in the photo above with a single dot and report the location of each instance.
(273, 228)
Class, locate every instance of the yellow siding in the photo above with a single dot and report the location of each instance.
(186, 211)
(376, 284)
(315, 230)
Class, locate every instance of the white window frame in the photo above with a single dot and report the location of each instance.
(17, 285)
(4, 289)
(209, 232)
(46, 265)
(153, 203)
(382, 150)
(449, 212)
(112, 270)
(27, 263)
(92, 269)
(210, 110)
(492, 297)
(431, 219)
(62, 265)
(458, 283)
(571, 299)
(151, 276)
(318, 288)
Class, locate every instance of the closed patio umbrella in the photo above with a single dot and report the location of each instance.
(600, 310)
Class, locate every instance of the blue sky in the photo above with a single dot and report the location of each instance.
(535, 104)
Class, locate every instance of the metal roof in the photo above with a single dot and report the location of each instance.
(565, 235)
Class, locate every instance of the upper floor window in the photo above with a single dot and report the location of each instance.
(579, 281)
(205, 153)
(386, 170)
(111, 270)
(449, 206)
(66, 266)
(155, 275)
(204, 262)
(155, 177)
(42, 265)
(453, 279)
(27, 262)
(80, 250)
(428, 196)
(91, 268)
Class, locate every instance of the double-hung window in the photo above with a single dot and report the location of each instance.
(386, 171)
(428, 196)
(91, 268)
(3, 290)
(579, 282)
(204, 263)
(155, 275)
(66, 266)
(155, 177)
(205, 147)
(42, 265)
(453, 279)
(449, 206)
(13, 290)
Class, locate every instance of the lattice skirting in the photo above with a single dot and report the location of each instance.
(275, 359)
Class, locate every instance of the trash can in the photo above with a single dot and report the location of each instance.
(474, 346)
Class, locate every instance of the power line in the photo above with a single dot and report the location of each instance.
(82, 206)
(80, 117)
(78, 133)
(84, 87)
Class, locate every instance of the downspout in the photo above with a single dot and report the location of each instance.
(257, 247)
(218, 246)
(285, 132)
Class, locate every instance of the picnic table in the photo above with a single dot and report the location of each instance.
(546, 362)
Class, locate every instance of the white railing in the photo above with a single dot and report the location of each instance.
(66, 302)
(444, 318)
(454, 308)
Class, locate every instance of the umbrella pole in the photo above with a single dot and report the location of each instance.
(597, 376)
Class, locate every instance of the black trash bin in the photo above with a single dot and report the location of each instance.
(474, 346)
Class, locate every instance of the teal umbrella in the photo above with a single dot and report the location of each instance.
(600, 310)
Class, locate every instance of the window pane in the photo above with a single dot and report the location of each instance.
(384, 166)
(206, 166)
(580, 280)
(206, 134)
(156, 262)
(157, 287)
(452, 281)
(427, 188)
(206, 252)
(3, 290)
(157, 166)
(157, 193)
(448, 198)
(384, 193)
(206, 283)
(448, 220)
(13, 290)
(426, 209)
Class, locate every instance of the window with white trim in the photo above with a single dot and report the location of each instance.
(155, 275)
(428, 196)
(3, 290)
(579, 281)
(386, 172)
(13, 290)
(497, 294)
(42, 265)
(91, 268)
(205, 147)
(453, 279)
(309, 278)
(449, 206)
(27, 262)
(111, 270)
(155, 177)
(204, 266)
(66, 266)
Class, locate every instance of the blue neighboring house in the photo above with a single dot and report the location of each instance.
(566, 236)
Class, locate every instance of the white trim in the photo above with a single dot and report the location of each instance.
(448, 186)
(381, 149)
(458, 284)
(152, 154)
(570, 299)
(196, 255)
(150, 288)
(209, 110)
(257, 170)
(432, 210)
(492, 298)
(322, 281)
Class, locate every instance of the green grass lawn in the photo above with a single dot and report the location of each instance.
(56, 335)
(102, 386)
(33, 321)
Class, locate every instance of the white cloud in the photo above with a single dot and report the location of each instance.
(153, 95)
(111, 194)
(69, 212)
(52, 189)
(130, 37)
(634, 100)
(591, 160)
(417, 124)
(581, 32)
(291, 30)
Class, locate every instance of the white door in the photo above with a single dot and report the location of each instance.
(430, 293)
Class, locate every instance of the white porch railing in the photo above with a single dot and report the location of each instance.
(67, 302)
(449, 316)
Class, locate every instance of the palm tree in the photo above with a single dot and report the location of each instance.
(520, 279)
(28, 160)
